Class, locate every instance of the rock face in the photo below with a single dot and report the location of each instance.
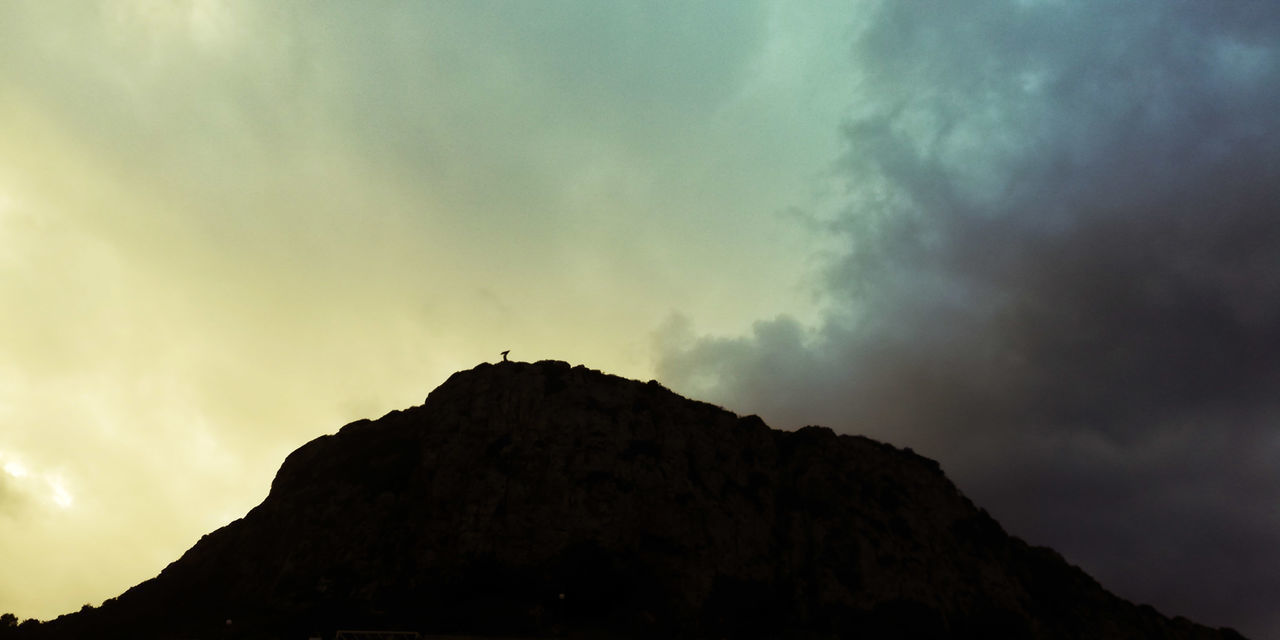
(542, 500)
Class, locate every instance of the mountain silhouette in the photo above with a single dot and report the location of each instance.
(544, 500)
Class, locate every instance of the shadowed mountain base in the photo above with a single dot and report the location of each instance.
(543, 500)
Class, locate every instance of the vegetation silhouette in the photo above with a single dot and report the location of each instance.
(540, 499)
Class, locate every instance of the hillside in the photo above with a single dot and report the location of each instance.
(543, 500)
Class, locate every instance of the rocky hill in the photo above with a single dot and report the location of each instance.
(549, 500)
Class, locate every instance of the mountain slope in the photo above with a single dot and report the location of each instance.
(540, 499)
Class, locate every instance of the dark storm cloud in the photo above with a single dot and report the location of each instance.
(1061, 277)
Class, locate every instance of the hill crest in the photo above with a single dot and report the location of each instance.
(542, 499)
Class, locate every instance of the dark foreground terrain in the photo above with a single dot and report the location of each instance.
(543, 500)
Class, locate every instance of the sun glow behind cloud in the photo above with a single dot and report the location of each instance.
(60, 495)
(37, 486)
(15, 469)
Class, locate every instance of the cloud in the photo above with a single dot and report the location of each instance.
(10, 499)
(1060, 276)
(227, 227)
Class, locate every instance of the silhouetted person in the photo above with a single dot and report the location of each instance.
(504, 355)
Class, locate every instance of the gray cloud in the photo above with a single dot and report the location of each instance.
(1060, 277)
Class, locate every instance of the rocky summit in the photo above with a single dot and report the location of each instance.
(543, 500)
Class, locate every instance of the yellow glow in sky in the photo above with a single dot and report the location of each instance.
(60, 495)
(228, 227)
(15, 469)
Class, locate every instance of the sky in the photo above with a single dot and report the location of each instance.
(1032, 239)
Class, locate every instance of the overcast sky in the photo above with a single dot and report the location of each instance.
(1034, 240)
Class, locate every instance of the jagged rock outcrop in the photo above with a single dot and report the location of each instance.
(540, 499)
